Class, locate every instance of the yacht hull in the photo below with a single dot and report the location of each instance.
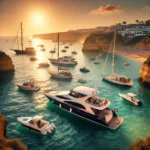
(24, 52)
(85, 115)
(106, 78)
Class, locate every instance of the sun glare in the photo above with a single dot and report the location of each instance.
(39, 19)
(35, 42)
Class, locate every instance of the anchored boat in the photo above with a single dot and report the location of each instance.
(130, 97)
(115, 78)
(81, 101)
(37, 124)
(28, 86)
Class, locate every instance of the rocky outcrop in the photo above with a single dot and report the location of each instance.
(144, 43)
(6, 64)
(145, 71)
(11, 144)
(101, 41)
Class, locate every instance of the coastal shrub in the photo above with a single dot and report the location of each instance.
(140, 144)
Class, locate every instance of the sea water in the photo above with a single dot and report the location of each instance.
(72, 132)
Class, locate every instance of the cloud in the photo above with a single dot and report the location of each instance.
(106, 9)
(146, 8)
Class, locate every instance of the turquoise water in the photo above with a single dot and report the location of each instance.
(72, 133)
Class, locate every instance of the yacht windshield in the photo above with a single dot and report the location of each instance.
(76, 95)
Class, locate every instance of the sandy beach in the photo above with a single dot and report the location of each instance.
(137, 56)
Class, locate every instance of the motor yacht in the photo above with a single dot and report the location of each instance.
(28, 86)
(37, 124)
(83, 102)
(130, 97)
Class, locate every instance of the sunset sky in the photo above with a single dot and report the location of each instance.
(46, 16)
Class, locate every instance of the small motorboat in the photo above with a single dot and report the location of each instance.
(52, 51)
(130, 97)
(40, 45)
(81, 81)
(33, 58)
(37, 124)
(63, 50)
(92, 59)
(66, 47)
(42, 49)
(126, 64)
(74, 52)
(96, 63)
(28, 86)
(84, 69)
(43, 65)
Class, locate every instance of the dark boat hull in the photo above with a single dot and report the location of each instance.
(24, 52)
(79, 112)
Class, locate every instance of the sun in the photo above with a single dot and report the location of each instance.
(39, 19)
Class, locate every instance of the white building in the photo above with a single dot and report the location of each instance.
(138, 31)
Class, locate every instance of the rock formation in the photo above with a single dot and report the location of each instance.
(144, 43)
(145, 71)
(6, 64)
(11, 144)
(101, 41)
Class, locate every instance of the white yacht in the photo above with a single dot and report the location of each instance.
(28, 86)
(37, 124)
(130, 97)
(81, 101)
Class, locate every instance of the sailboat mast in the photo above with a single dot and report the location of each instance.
(21, 37)
(113, 56)
(58, 53)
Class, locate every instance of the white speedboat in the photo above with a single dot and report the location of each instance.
(130, 97)
(81, 101)
(28, 86)
(37, 124)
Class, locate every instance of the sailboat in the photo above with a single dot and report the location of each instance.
(28, 50)
(114, 78)
(61, 73)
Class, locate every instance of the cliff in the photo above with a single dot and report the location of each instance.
(12, 144)
(145, 72)
(144, 43)
(101, 41)
(64, 36)
(6, 64)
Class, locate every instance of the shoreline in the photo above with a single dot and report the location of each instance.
(136, 56)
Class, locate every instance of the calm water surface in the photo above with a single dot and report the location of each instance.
(72, 133)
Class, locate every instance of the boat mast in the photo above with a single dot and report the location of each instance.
(113, 57)
(21, 37)
(58, 53)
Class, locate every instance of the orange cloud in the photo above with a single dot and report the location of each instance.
(146, 8)
(107, 9)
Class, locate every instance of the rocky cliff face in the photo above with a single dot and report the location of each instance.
(101, 41)
(145, 71)
(6, 64)
(11, 144)
(144, 43)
